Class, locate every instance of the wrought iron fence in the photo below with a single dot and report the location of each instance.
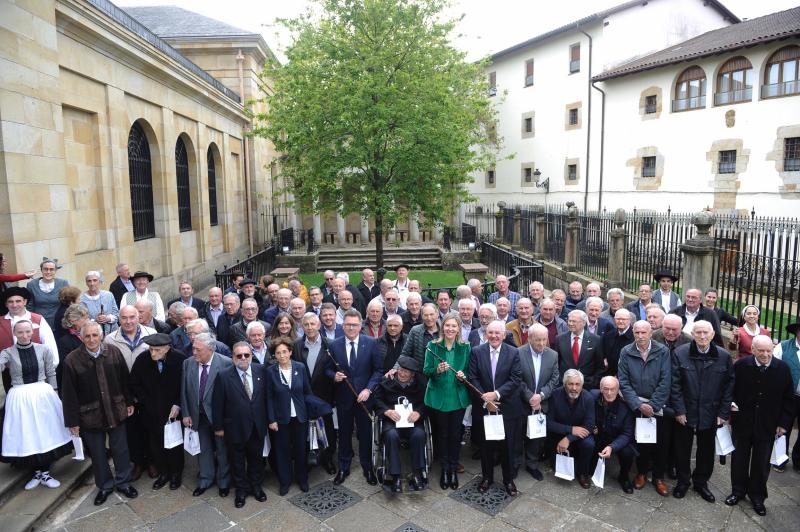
(254, 266)
(757, 262)
(555, 220)
(463, 238)
(293, 241)
(508, 225)
(527, 228)
(483, 218)
(594, 240)
(653, 244)
(521, 270)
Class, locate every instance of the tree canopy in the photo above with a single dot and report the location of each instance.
(376, 113)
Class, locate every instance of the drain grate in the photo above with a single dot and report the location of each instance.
(324, 500)
(409, 527)
(492, 502)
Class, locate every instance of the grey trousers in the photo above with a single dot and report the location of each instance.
(213, 457)
(118, 443)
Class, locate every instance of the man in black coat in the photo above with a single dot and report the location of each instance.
(187, 298)
(571, 424)
(407, 383)
(692, 310)
(763, 393)
(579, 349)
(312, 350)
(240, 416)
(615, 340)
(615, 429)
(231, 316)
(390, 345)
(702, 386)
(368, 288)
(122, 284)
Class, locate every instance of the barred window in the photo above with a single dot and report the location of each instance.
(572, 172)
(573, 117)
(141, 182)
(650, 104)
(648, 166)
(182, 174)
(791, 154)
(528, 125)
(529, 72)
(727, 162)
(212, 188)
(574, 58)
(528, 174)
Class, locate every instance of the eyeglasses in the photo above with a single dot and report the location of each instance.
(242, 355)
(351, 325)
(329, 278)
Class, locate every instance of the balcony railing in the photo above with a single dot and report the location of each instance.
(777, 90)
(686, 104)
(574, 66)
(723, 98)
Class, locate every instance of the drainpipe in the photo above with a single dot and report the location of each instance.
(245, 153)
(589, 119)
(602, 145)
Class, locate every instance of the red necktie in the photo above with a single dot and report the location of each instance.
(575, 350)
(523, 335)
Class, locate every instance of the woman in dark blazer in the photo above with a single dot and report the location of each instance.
(287, 388)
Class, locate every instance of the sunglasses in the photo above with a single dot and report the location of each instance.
(242, 355)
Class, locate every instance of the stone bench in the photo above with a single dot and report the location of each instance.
(474, 270)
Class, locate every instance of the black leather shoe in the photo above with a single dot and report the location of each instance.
(535, 473)
(511, 489)
(198, 491)
(626, 485)
(484, 486)
(397, 485)
(584, 481)
(759, 508)
(101, 497)
(160, 482)
(224, 492)
(239, 501)
(260, 496)
(175, 482)
(340, 476)
(453, 480)
(732, 499)
(444, 481)
(705, 493)
(283, 490)
(372, 480)
(416, 484)
(130, 492)
(679, 491)
(304, 488)
(330, 468)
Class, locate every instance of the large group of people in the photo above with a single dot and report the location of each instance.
(295, 374)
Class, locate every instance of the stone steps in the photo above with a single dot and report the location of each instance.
(357, 258)
(20, 510)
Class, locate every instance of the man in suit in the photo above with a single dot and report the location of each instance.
(197, 391)
(122, 284)
(579, 349)
(282, 299)
(355, 358)
(639, 307)
(200, 326)
(763, 393)
(247, 290)
(240, 418)
(615, 341)
(539, 366)
(615, 429)
(187, 298)
(327, 285)
(466, 311)
(692, 310)
(368, 288)
(315, 298)
(595, 323)
(664, 296)
(231, 316)
(329, 329)
(519, 327)
(494, 370)
(313, 352)
(238, 331)
(214, 310)
(571, 424)
(179, 337)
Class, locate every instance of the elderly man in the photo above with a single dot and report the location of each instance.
(297, 308)
(595, 323)
(401, 284)
(186, 292)
(374, 325)
(615, 298)
(671, 333)
(410, 385)
(122, 284)
(175, 316)
(639, 307)
(315, 298)
(549, 318)
(141, 281)
(249, 310)
(358, 303)
(200, 326)
(213, 309)
(579, 349)
(503, 307)
(501, 285)
(540, 377)
(256, 339)
(519, 327)
(664, 296)
(559, 297)
(476, 288)
(312, 351)
(763, 393)
(571, 424)
(327, 284)
(655, 316)
(645, 379)
(392, 304)
(536, 294)
(692, 311)
(97, 400)
(575, 296)
(494, 370)
(231, 316)
(413, 314)
(487, 313)
(345, 300)
(702, 388)
(367, 287)
(614, 341)
(789, 351)
(390, 344)
(282, 299)
(178, 336)
(146, 318)
(615, 432)
(466, 312)
(592, 290)
(414, 286)
(247, 290)
(200, 373)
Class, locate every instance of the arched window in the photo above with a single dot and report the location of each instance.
(690, 90)
(182, 173)
(141, 182)
(212, 187)
(734, 82)
(782, 75)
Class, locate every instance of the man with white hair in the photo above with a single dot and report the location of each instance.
(256, 339)
(575, 295)
(146, 317)
(345, 300)
(413, 314)
(579, 349)
(536, 295)
(476, 287)
(466, 311)
(655, 316)
(282, 299)
(122, 284)
(671, 333)
(615, 298)
(178, 337)
(502, 285)
(595, 323)
(592, 290)
(615, 429)
(249, 310)
(415, 286)
(368, 288)
(200, 326)
(374, 325)
(503, 306)
(297, 308)
(359, 303)
(390, 345)
(327, 284)
(391, 305)
(614, 341)
(519, 327)
(487, 313)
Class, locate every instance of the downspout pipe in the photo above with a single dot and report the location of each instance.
(246, 154)
(588, 120)
(602, 145)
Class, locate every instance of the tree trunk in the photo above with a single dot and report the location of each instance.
(378, 240)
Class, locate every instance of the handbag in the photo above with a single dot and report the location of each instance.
(599, 477)
(537, 426)
(565, 466)
(646, 430)
(173, 435)
(723, 442)
(191, 441)
(493, 427)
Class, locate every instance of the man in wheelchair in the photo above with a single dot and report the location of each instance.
(395, 397)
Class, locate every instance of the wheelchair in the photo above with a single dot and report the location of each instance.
(379, 451)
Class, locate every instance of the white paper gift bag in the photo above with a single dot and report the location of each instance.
(565, 466)
(191, 441)
(77, 443)
(493, 427)
(537, 426)
(779, 455)
(335, 419)
(267, 446)
(173, 434)
(723, 442)
(645, 430)
(599, 477)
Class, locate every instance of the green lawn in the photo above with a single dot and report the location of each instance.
(436, 278)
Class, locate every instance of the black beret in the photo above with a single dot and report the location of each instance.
(408, 363)
(157, 340)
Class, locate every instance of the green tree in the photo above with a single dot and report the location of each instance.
(376, 113)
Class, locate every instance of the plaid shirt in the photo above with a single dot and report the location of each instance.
(512, 297)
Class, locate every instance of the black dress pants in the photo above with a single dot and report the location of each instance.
(657, 452)
(247, 466)
(506, 449)
(750, 466)
(290, 452)
(448, 434)
(704, 459)
(167, 461)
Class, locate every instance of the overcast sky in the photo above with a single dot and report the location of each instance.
(488, 26)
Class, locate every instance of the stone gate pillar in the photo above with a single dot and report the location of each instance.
(571, 239)
(698, 254)
(541, 232)
(616, 251)
(517, 227)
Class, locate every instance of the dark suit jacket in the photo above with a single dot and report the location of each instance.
(548, 379)
(279, 395)
(157, 392)
(321, 385)
(365, 375)
(475, 338)
(613, 343)
(562, 417)
(198, 304)
(506, 380)
(603, 326)
(358, 302)
(765, 400)
(234, 413)
(409, 322)
(224, 324)
(366, 293)
(118, 290)
(339, 331)
(238, 331)
(590, 358)
(634, 309)
(615, 425)
(704, 313)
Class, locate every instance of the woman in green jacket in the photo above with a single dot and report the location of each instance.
(446, 394)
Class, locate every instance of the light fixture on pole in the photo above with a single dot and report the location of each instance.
(542, 184)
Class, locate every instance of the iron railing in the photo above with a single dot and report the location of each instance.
(292, 241)
(594, 240)
(253, 266)
(555, 220)
(653, 244)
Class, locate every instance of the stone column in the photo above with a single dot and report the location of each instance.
(498, 225)
(340, 229)
(364, 231)
(437, 233)
(413, 229)
(541, 232)
(517, 227)
(616, 251)
(571, 239)
(317, 229)
(698, 254)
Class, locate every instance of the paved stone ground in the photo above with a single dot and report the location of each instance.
(552, 504)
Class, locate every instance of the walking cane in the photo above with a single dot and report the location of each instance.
(465, 381)
(349, 385)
